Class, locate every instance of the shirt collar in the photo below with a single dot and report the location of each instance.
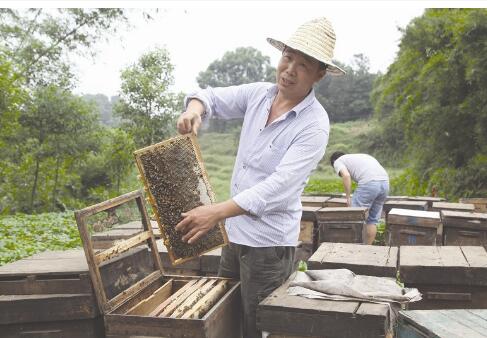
(306, 102)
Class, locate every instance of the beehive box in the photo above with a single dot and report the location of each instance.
(370, 260)
(284, 315)
(413, 227)
(479, 203)
(448, 277)
(428, 199)
(314, 201)
(464, 228)
(50, 294)
(413, 205)
(341, 224)
(176, 181)
(336, 202)
(159, 305)
(442, 323)
(438, 206)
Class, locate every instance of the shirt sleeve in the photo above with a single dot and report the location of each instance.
(224, 102)
(287, 181)
(338, 165)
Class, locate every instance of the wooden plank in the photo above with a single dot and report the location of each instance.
(414, 205)
(109, 204)
(121, 247)
(174, 296)
(401, 234)
(336, 202)
(176, 301)
(149, 304)
(201, 300)
(414, 217)
(314, 201)
(480, 203)
(371, 260)
(447, 265)
(452, 206)
(187, 304)
(341, 214)
(309, 213)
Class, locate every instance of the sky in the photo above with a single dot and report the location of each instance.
(197, 33)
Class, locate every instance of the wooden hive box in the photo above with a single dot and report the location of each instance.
(438, 206)
(442, 323)
(464, 228)
(308, 236)
(413, 227)
(413, 205)
(397, 198)
(314, 201)
(479, 203)
(428, 199)
(289, 316)
(58, 281)
(159, 305)
(449, 277)
(341, 224)
(370, 260)
(336, 202)
(176, 181)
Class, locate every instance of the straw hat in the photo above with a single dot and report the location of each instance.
(315, 38)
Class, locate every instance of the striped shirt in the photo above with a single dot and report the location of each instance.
(273, 163)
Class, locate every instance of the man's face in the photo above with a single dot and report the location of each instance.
(297, 72)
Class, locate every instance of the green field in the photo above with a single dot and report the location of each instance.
(219, 152)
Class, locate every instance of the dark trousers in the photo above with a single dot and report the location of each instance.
(260, 271)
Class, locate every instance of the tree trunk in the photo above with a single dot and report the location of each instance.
(56, 176)
(34, 186)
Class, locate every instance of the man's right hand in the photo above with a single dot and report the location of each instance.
(188, 122)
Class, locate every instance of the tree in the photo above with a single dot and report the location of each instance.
(244, 65)
(347, 97)
(147, 106)
(436, 93)
(37, 41)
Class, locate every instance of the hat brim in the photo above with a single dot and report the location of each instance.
(332, 68)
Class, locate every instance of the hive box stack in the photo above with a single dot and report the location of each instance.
(464, 228)
(413, 227)
(413, 205)
(308, 233)
(286, 316)
(438, 206)
(448, 277)
(341, 225)
(50, 294)
(479, 203)
(369, 260)
(314, 201)
(158, 305)
(442, 323)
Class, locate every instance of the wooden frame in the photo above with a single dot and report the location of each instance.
(153, 201)
(159, 305)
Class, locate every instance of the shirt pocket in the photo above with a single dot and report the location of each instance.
(270, 158)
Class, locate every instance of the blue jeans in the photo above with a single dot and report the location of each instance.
(371, 195)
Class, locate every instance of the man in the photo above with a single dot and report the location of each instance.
(284, 136)
(372, 189)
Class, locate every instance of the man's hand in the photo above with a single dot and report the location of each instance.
(189, 122)
(198, 221)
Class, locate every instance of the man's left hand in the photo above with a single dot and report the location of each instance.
(197, 222)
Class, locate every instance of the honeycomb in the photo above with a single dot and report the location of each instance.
(176, 182)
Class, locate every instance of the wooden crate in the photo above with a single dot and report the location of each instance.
(413, 205)
(464, 228)
(449, 277)
(284, 315)
(176, 181)
(336, 202)
(314, 201)
(413, 227)
(442, 323)
(428, 199)
(438, 206)
(341, 224)
(479, 203)
(370, 260)
(159, 305)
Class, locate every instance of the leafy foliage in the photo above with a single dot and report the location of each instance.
(147, 106)
(24, 235)
(433, 100)
(244, 65)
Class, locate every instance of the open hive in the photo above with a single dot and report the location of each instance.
(176, 182)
